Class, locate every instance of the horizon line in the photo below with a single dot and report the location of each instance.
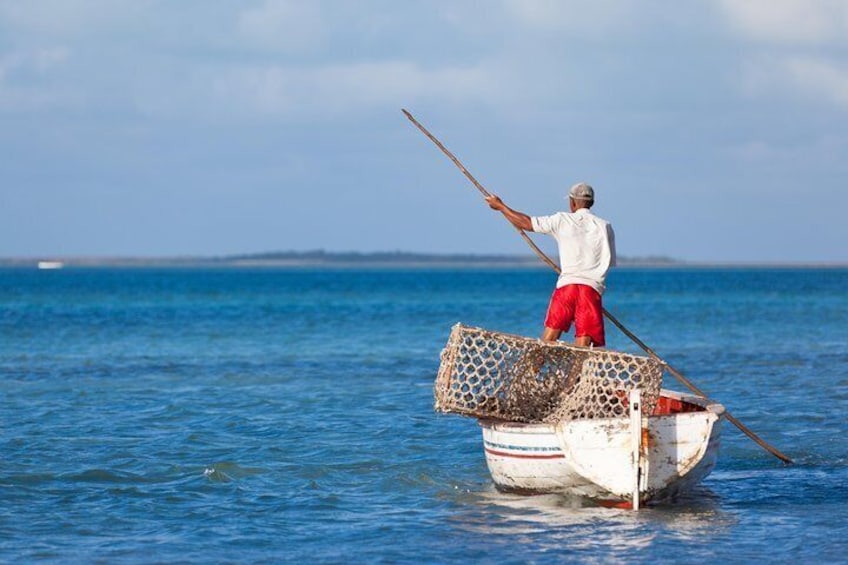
(319, 257)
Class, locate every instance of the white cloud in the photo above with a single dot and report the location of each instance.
(798, 76)
(38, 60)
(287, 92)
(788, 21)
(24, 79)
(282, 24)
(819, 77)
(66, 18)
(793, 47)
(585, 18)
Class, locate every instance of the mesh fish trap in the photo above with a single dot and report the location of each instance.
(488, 374)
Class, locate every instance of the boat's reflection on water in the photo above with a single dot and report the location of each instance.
(581, 523)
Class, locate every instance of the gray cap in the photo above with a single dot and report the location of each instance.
(582, 191)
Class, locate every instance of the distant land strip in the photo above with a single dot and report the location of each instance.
(316, 258)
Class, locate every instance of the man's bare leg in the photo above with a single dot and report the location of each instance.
(551, 334)
(583, 341)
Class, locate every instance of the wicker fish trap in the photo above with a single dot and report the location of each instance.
(488, 374)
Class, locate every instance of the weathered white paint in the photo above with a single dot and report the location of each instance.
(635, 445)
(593, 458)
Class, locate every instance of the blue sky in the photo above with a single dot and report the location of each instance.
(712, 130)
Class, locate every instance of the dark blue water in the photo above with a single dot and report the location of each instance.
(280, 415)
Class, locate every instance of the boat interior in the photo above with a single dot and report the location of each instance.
(667, 405)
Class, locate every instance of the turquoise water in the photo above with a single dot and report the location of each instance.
(280, 415)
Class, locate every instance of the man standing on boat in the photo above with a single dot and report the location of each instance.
(586, 252)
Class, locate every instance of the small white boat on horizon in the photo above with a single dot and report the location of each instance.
(604, 459)
(49, 265)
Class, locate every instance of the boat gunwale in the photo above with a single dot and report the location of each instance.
(706, 405)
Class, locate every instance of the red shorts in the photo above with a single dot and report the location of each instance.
(580, 304)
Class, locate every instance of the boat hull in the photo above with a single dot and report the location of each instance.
(594, 458)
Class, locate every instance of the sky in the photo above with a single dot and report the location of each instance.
(712, 130)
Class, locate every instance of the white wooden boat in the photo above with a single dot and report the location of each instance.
(622, 461)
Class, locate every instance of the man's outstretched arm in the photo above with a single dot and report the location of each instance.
(516, 218)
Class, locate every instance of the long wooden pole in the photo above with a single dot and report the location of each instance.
(479, 186)
(677, 374)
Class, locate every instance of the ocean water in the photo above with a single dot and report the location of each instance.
(276, 415)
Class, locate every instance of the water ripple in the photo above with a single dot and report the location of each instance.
(264, 416)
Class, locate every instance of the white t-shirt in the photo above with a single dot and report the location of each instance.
(586, 246)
